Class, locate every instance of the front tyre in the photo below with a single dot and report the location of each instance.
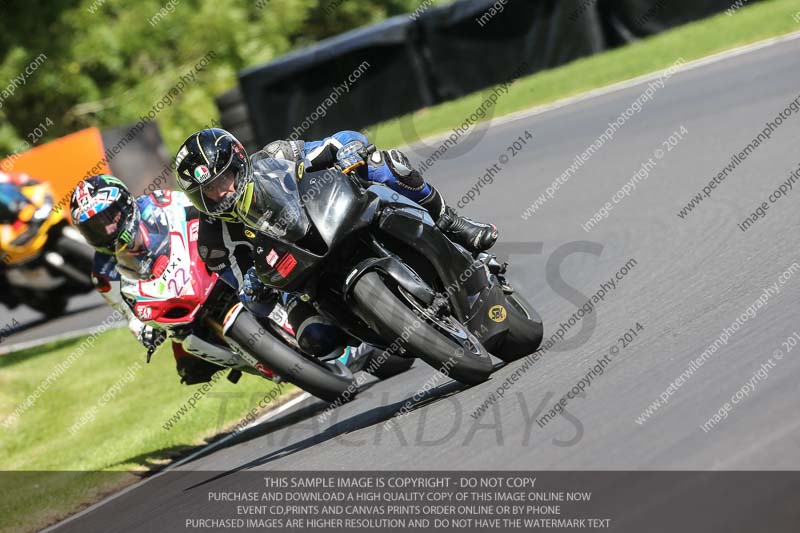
(445, 344)
(332, 382)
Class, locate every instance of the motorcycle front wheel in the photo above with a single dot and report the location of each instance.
(332, 382)
(442, 342)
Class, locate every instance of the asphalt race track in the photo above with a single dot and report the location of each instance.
(692, 278)
(83, 312)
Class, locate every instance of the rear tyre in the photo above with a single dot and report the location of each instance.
(524, 333)
(331, 382)
(446, 344)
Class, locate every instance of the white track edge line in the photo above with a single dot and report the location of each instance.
(26, 345)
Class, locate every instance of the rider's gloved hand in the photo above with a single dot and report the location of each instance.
(351, 154)
(258, 298)
(151, 337)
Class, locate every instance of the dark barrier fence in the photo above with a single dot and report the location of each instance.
(410, 62)
(627, 20)
(373, 72)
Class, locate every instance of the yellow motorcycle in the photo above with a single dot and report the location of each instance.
(44, 260)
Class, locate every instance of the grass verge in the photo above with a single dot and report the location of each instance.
(118, 408)
(691, 41)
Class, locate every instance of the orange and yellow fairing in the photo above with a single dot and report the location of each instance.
(24, 239)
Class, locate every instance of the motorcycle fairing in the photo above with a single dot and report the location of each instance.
(336, 207)
(24, 240)
(178, 294)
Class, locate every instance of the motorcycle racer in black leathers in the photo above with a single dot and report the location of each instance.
(212, 164)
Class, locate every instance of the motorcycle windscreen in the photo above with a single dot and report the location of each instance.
(143, 250)
(271, 202)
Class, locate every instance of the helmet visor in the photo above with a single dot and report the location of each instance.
(216, 194)
(101, 230)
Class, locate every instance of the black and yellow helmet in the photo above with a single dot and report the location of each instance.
(205, 158)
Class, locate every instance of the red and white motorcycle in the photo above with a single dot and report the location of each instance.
(204, 314)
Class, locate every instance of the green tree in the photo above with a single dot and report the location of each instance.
(109, 61)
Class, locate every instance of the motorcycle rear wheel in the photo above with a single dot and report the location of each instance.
(445, 345)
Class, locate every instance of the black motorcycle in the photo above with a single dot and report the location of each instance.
(375, 263)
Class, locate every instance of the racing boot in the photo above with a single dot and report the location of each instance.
(472, 235)
(356, 357)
